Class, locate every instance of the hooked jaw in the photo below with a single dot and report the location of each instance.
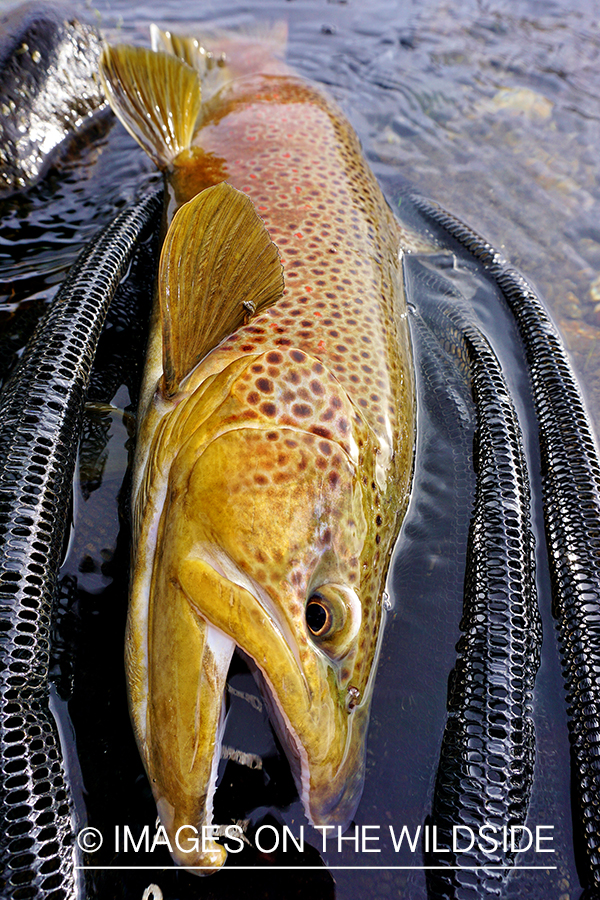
(183, 720)
(322, 733)
(323, 736)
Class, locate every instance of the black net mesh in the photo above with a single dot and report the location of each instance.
(486, 767)
(40, 411)
(571, 486)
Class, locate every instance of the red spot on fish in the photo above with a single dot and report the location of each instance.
(317, 313)
(299, 234)
(321, 345)
(286, 155)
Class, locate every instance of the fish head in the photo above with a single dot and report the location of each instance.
(276, 523)
(268, 535)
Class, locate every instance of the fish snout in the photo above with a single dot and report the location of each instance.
(334, 796)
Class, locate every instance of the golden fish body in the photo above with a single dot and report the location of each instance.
(271, 478)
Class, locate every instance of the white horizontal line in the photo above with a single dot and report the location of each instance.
(302, 868)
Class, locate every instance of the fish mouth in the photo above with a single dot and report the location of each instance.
(337, 804)
(184, 715)
(322, 734)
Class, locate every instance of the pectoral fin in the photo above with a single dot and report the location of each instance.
(217, 267)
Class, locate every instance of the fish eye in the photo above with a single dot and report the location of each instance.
(332, 615)
(318, 616)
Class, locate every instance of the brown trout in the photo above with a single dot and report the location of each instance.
(276, 427)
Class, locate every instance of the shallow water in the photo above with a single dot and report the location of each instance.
(491, 109)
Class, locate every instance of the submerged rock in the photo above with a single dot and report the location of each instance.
(48, 87)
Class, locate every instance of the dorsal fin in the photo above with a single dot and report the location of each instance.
(218, 266)
(243, 50)
(156, 96)
(210, 66)
(187, 48)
